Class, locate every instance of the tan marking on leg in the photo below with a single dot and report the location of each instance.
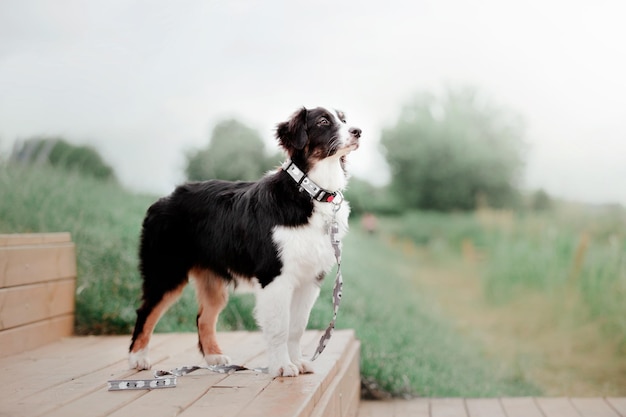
(166, 302)
(212, 293)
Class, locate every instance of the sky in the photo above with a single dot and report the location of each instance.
(145, 81)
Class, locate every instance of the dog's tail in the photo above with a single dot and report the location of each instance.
(163, 261)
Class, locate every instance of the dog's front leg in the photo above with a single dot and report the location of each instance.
(272, 311)
(301, 304)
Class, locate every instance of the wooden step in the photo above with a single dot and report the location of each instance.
(69, 378)
(37, 286)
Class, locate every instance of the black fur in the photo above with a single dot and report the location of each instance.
(226, 227)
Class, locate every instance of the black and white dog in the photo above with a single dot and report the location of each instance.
(272, 233)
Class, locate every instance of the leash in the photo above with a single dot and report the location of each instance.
(338, 287)
(167, 379)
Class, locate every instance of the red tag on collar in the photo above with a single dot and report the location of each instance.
(330, 198)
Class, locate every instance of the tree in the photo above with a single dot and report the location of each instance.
(57, 152)
(446, 153)
(235, 152)
(540, 201)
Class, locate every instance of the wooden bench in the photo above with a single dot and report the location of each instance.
(44, 371)
(37, 287)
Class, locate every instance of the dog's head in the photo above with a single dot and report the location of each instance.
(312, 135)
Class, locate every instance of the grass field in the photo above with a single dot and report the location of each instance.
(543, 292)
(577, 249)
(425, 330)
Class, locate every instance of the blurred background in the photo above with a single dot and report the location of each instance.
(488, 235)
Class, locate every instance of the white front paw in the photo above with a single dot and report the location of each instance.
(304, 366)
(287, 369)
(217, 359)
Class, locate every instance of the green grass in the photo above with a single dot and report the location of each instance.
(104, 221)
(553, 254)
(408, 346)
(574, 248)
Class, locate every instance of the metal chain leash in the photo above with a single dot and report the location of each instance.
(167, 379)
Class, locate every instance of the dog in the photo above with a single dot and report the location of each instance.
(272, 233)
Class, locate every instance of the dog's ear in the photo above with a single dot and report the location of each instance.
(292, 133)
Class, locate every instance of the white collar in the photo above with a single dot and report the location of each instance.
(305, 183)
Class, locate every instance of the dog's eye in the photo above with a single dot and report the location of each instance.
(323, 121)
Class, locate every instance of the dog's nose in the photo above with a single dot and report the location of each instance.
(355, 131)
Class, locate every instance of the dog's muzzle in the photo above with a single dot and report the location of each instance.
(355, 135)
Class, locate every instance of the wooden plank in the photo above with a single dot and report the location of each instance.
(234, 393)
(169, 402)
(557, 407)
(618, 404)
(178, 350)
(37, 334)
(309, 388)
(31, 264)
(229, 396)
(484, 407)
(22, 239)
(594, 407)
(447, 407)
(94, 399)
(30, 303)
(520, 407)
(376, 408)
(70, 379)
(298, 396)
(59, 350)
(412, 408)
(193, 386)
(341, 398)
(349, 391)
(71, 387)
(75, 356)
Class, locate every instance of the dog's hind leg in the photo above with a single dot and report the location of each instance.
(212, 293)
(148, 315)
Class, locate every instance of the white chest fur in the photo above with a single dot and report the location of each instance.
(306, 251)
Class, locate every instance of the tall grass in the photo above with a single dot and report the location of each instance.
(408, 348)
(102, 219)
(105, 223)
(602, 283)
(555, 255)
(574, 248)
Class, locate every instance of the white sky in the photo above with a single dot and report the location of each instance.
(144, 81)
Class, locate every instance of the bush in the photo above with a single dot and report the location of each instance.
(452, 152)
(57, 152)
(235, 152)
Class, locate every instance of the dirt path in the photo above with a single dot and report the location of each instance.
(541, 337)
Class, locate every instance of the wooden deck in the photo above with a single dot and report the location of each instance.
(69, 378)
(41, 375)
(496, 407)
